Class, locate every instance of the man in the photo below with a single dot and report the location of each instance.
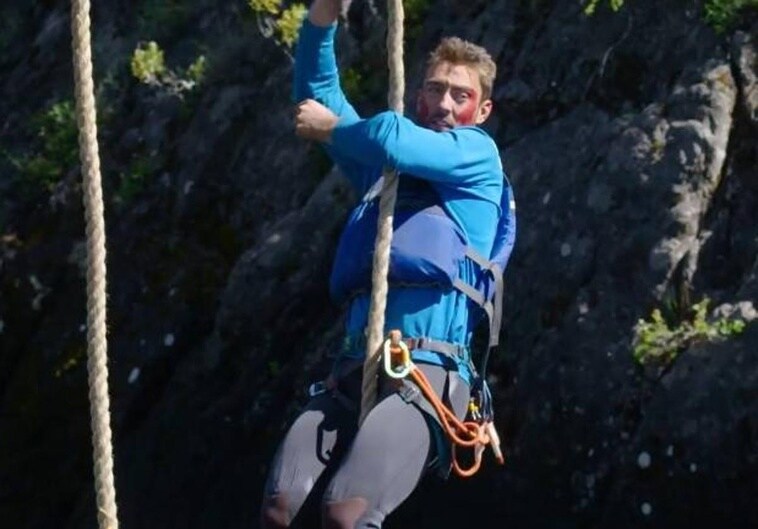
(447, 157)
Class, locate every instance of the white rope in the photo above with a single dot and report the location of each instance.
(375, 330)
(97, 364)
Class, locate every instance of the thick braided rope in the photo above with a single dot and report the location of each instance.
(379, 289)
(93, 207)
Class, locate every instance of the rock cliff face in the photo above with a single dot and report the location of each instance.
(631, 139)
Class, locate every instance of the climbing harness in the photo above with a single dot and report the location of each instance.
(97, 363)
(412, 384)
(476, 433)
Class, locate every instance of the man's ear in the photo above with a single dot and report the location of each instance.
(485, 109)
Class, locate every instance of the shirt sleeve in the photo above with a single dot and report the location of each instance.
(459, 156)
(317, 77)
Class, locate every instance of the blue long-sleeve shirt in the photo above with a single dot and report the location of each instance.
(462, 164)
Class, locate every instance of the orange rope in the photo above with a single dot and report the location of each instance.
(465, 434)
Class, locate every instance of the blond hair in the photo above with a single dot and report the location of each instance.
(458, 51)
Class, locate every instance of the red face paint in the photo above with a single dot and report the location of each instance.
(422, 110)
(466, 112)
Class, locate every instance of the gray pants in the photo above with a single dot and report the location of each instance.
(375, 467)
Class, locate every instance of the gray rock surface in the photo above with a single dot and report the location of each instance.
(632, 144)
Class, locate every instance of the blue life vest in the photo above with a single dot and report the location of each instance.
(428, 248)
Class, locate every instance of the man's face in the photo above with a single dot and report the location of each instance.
(450, 97)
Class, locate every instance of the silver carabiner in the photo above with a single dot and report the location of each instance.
(317, 388)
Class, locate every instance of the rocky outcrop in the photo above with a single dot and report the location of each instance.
(631, 141)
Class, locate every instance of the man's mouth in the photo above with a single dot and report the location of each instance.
(439, 124)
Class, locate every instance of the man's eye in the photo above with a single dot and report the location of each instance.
(434, 89)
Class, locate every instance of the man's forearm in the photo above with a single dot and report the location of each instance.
(457, 156)
(324, 13)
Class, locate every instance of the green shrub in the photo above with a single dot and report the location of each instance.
(415, 15)
(162, 17)
(722, 14)
(288, 24)
(351, 80)
(135, 180)
(591, 6)
(365, 82)
(196, 70)
(57, 150)
(271, 7)
(274, 16)
(149, 67)
(148, 64)
(656, 341)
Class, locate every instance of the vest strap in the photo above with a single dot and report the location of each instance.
(476, 296)
(478, 258)
(448, 349)
(437, 346)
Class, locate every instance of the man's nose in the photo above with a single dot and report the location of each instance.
(446, 102)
